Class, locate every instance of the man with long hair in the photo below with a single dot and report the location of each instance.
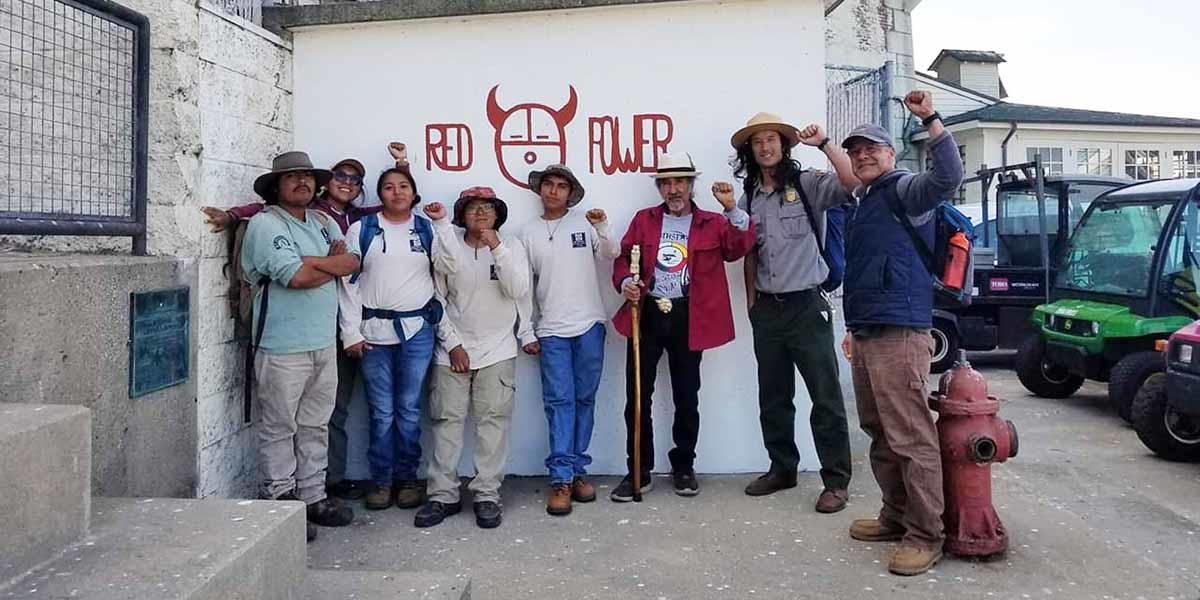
(790, 317)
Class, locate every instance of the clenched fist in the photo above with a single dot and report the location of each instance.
(812, 135)
(632, 290)
(919, 103)
(435, 211)
(399, 152)
(596, 216)
(723, 192)
(490, 238)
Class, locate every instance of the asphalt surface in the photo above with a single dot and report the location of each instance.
(1090, 512)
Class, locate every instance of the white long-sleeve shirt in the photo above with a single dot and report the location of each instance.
(562, 256)
(482, 288)
(395, 276)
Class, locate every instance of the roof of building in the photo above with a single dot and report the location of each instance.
(955, 86)
(985, 56)
(1007, 112)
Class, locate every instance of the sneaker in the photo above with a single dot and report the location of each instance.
(911, 560)
(330, 512)
(685, 483)
(558, 499)
(582, 491)
(874, 530)
(487, 514)
(410, 494)
(832, 501)
(624, 491)
(379, 498)
(346, 490)
(769, 483)
(434, 512)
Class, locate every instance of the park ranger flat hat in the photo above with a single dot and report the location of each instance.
(765, 121)
(289, 162)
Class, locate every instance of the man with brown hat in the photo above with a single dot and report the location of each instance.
(292, 255)
(481, 277)
(790, 317)
(563, 248)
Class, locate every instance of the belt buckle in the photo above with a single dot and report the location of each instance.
(664, 305)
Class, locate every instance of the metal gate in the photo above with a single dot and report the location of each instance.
(853, 96)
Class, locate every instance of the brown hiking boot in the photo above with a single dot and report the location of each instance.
(558, 499)
(769, 483)
(410, 494)
(832, 501)
(379, 498)
(582, 491)
(874, 530)
(911, 560)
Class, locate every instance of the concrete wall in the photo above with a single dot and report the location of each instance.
(855, 34)
(65, 323)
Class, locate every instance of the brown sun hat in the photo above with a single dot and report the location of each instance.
(289, 162)
(765, 121)
(353, 163)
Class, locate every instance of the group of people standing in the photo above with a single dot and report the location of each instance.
(410, 290)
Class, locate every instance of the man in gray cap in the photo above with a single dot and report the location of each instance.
(889, 309)
(791, 320)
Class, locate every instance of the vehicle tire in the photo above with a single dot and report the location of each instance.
(1169, 434)
(1127, 377)
(1045, 380)
(945, 346)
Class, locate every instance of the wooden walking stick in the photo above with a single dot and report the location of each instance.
(635, 267)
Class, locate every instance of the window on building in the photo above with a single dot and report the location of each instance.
(1094, 161)
(1187, 163)
(1052, 158)
(1142, 164)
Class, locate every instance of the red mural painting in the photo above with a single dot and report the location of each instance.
(532, 136)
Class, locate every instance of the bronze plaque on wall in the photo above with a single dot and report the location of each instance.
(158, 339)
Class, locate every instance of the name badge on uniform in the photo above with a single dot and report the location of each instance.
(790, 195)
(325, 233)
(495, 275)
(415, 245)
(578, 240)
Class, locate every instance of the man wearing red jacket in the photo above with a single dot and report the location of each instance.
(684, 301)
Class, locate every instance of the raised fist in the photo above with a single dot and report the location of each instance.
(812, 135)
(435, 211)
(596, 216)
(490, 238)
(919, 103)
(723, 192)
(399, 152)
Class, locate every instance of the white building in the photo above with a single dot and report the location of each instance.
(990, 131)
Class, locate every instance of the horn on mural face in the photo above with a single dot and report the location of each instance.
(564, 115)
(496, 115)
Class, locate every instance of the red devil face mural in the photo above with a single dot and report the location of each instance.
(529, 136)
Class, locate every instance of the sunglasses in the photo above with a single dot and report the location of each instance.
(483, 209)
(347, 178)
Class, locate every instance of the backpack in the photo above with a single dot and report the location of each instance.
(948, 223)
(371, 229)
(241, 300)
(832, 248)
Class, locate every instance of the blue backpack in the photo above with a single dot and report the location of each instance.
(947, 221)
(371, 228)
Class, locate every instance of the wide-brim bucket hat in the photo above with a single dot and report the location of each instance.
(765, 121)
(289, 162)
(535, 182)
(479, 193)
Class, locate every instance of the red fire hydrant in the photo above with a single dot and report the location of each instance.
(972, 438)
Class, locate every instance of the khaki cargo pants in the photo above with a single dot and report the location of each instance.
(487, 395)
(295, 399)
(890, 368)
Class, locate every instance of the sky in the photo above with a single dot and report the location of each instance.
(1116, 55)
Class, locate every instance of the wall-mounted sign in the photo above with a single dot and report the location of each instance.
(158, 340)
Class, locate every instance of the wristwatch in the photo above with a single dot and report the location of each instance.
(927, 121)
(821, 146)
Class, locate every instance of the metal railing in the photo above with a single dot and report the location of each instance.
(74, 89)
(853, 96)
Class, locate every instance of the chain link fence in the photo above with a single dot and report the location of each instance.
(73, 115)
(853, 96)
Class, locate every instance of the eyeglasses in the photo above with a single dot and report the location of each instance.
(482, 209)
(347, 178)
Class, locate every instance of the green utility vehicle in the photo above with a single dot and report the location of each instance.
(1125, 280)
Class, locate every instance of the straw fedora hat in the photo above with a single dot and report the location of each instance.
(289, 162)
(675, 165)
(765, 121)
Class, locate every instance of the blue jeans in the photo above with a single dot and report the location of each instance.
(571, 370)
(394, 378)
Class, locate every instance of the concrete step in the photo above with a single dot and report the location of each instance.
(45, 483)
(384, 585)
(169, 549)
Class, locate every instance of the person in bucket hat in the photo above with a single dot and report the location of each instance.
(684, 299)
(889, 312)
(562, 248)
(482, 277)
(292, 254)
(791, 319)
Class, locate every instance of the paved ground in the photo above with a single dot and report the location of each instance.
(1090, 512)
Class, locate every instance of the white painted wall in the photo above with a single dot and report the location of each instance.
(356, 88)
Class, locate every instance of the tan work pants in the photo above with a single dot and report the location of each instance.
(890, 369)
(295, 398)
(487, 395)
